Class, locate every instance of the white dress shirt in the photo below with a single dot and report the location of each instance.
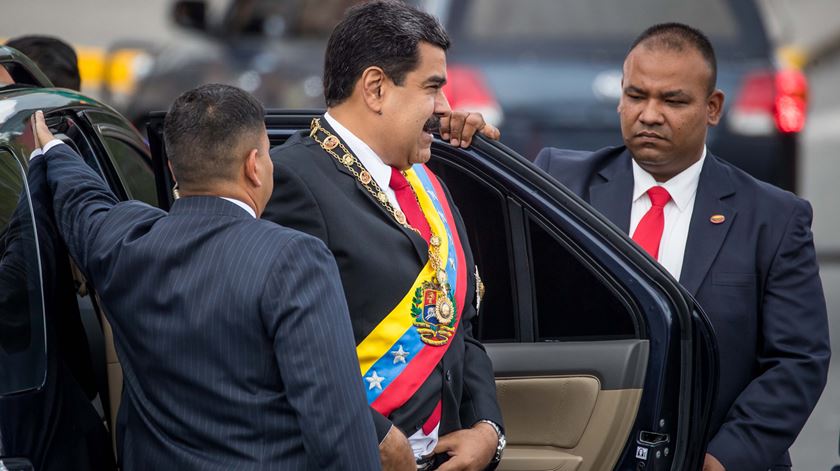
(379, 170)
(683, 190)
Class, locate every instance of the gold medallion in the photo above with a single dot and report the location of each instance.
(441, 276)
(382, 197)
(399, 216)
(364, 177)
(330, 143)
(444, 309)
(435, 241)
(347, 159)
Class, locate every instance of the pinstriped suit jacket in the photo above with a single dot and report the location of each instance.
(233, 332)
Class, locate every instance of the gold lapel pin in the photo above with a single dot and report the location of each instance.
(717, 218)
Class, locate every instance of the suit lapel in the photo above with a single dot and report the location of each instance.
(417, 241)
(705, 238)
(611, 192)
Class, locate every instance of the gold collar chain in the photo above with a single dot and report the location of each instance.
(329, 142)
(351, 163)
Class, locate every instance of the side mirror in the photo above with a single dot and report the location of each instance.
(190, 14)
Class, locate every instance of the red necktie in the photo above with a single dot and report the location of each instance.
(408, 204)
(649, 231)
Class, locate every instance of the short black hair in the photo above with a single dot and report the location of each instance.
(206, 128)
(56, 59)
(383, 33)
(677, 37)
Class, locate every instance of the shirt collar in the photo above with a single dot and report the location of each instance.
(379, 170)
(241, 205)
(682, 187)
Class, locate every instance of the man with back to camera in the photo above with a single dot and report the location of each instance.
(356, 180)
(232, 332)
(741, 247)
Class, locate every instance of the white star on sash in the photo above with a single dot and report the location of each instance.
(399, 355)
(452, 262)
(375, 381)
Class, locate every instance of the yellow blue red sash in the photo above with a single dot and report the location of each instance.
(394, 358)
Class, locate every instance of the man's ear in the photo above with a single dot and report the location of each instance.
(372, 84)
(250, 168)
(714, 107)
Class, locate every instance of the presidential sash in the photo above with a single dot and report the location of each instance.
(399, 354)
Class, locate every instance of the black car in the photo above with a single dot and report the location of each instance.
(602, 360)
(547, 72)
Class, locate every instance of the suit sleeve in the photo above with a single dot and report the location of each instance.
(792, 361)
(293, 205)
(81, 203)
(305, 312)
(479, 401)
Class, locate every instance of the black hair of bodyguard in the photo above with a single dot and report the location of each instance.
(676, 37)
(205, 129)
(383, 33)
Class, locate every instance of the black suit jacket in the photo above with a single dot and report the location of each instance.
(229, 330)
(757, 278)
(379, 260)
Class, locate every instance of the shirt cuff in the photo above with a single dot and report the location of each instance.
(52, 144)
(39, 151)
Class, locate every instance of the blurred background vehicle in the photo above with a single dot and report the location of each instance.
(547, 72)
(554, 68)
(273, 49)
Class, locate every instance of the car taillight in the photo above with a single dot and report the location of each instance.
(770, 101)
(467, 90)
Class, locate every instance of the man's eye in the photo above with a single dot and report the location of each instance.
(675, 102)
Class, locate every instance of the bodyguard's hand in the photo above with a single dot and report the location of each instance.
(469, 449)
(42, 132)
(395, 452)
(459, 127)
(712, 464)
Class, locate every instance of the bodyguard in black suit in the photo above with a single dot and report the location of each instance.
(385, 66)
(232, 332)
(748, 257)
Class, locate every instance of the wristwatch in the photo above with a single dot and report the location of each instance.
(500, 447)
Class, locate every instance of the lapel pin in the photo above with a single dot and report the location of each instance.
(717, 218)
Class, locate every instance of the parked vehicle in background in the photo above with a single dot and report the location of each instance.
(547, 72)
(602, 360)
(554, 68)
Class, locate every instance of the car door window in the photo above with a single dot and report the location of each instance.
(134, 171)
(571, 301)
(22, 337)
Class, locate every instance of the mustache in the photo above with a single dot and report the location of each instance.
(432, 124)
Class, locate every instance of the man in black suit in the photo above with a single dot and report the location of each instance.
(356, 180)
(742, 248)
(232, 332)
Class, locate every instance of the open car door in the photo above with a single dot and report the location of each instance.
(602, 360)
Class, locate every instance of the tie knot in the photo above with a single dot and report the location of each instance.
(398, 181)
(659, 196)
